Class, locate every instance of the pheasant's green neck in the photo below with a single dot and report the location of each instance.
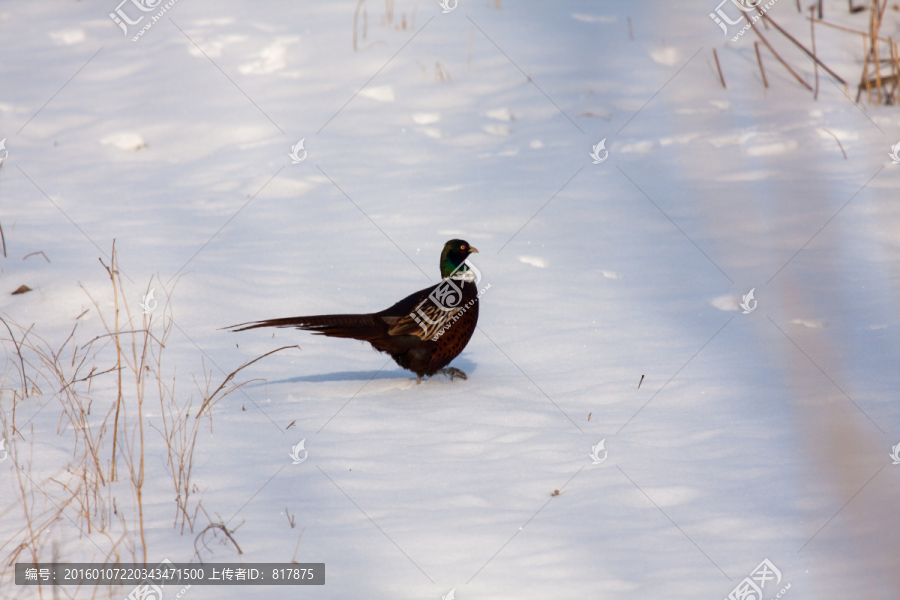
(448, 266)
(450, 262)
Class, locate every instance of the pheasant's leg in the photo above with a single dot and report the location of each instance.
(418, 379)
(452, 373)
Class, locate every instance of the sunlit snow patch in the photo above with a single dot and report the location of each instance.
(594, 18)
(124, 141)
(497, 129)
(534, 261)
(637, 147)
(426, 118)
(666, 56)
(382, 93)
(772, 149)
(271, 58)
(501, 114)
(808, 323)
(432, 132)
(727, 302)
(67, 37)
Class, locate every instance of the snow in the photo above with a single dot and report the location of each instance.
(752, 436)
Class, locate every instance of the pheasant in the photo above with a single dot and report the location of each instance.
(423, 332)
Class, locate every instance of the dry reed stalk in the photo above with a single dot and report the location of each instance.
(297, 547)
(761, 69)
(895, 69)
(812, 35)
(847, 29)
(719, 67)
(111, 271)
(876, 25)
(781, 60)
(865, 74)
(355, 22)
(2, 237)
(211, 400)
(805, 50)
(82, 492)
(22, 375)
(840, 145)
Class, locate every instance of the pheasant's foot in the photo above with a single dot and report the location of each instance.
(452, 373)
(418, 379)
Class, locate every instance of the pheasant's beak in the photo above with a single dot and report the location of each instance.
(473, 250)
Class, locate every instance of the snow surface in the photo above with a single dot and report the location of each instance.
(742, 441)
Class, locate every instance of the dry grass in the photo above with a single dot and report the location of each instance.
(880, 79)
(91, 507)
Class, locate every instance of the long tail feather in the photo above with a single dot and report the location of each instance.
(359, 327)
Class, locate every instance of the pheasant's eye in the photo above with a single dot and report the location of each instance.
(463, 247)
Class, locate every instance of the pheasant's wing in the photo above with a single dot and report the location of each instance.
(417, 315)
(424, 321)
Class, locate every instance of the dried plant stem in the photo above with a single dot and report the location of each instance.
(22, 375)
(297, 548)
(215, 527)
(41, 252)
(356, 21)
(802, 47)
(865, 73)
(2, 237)
(719, 67)
(840, 145)
(111, 270)
(847, 29)
(761, 69)
(781, 60)
(876, 25)
(82, 492)
(211, 399)
(812, 34)
(895, 69)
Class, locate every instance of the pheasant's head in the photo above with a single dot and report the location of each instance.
(453, 255)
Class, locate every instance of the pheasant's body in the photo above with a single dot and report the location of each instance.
(423, 332)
